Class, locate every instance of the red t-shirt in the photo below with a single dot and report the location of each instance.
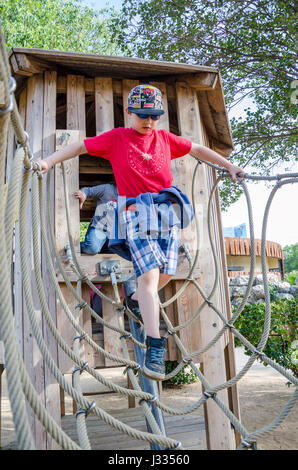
(141, 163)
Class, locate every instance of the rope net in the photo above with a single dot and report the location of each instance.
(25, 173)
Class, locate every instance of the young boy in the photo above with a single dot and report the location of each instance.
(99, 228)
(141, 158)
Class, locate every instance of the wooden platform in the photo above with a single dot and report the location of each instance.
(189, 429)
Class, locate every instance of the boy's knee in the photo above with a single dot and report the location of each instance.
(90, 249)
(149, 281)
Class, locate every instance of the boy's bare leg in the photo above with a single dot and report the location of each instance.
(147, 293)
(163, 280)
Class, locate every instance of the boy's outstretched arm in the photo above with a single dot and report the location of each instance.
(70, 151)
(209, 155)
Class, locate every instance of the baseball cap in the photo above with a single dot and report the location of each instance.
(145, 99)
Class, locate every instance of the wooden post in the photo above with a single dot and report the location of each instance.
(18, 281)
(49, 135)
(104, 109)
(32, 356)
(186, 305)
(230, 348)
(75, 130)
(219, 435)
(112, 342)
(127, 85)
(1, 372)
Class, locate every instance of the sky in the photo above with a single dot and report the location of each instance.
(282, 224)
(98, 4)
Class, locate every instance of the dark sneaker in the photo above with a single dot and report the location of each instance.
(154, 367)
(133, 305)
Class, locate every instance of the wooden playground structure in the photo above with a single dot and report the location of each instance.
(63, 97)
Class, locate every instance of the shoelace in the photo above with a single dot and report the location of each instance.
(156, 354)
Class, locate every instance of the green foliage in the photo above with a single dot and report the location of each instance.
(273, 291)
(253, 44)
(291, 277)
(63, 25)
(284, 322)
(185, 376)
(290, 253)
(83, 229)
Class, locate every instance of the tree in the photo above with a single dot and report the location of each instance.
(290, 253)
(252, 43)
(56, 24)
(281, 345)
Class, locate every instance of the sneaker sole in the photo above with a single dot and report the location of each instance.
(152, 375)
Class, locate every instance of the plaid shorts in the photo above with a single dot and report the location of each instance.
(148, 252)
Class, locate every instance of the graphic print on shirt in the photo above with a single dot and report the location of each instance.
(147, 163)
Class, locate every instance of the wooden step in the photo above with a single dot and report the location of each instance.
(188, 429)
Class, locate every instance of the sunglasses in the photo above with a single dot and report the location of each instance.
(145, 116)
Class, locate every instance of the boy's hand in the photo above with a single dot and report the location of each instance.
(44, 166)
(81, 196)
(235, 171)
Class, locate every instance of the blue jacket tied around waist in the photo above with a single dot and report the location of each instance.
(156, 212)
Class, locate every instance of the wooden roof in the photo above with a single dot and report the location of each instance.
(206, 80)
(242, 247)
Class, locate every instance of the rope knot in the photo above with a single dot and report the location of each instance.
(247, 444)
(187, 360)
(179, 444)
(148, 400)
(129, 335)
(83, 336)
(209, 394)
(86, 412)
(11, 90)
(82, 305)
(76, 369)
(133, 368)
(229, 325)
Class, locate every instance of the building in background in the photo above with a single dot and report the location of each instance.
(239, 231)
(238, 253)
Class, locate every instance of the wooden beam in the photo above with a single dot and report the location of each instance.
(52, 395)
(112, 343)
(32, 356)
(183, 168)
(127, 85)
(104, 109)
(230, 359)
(199, 81)
(171, 312)
(72, 175)
(187, 303)
(220, 147)
(96, 170)
(90, 266)
(76, 128)
(219, 435)
(2, 95)
(28, 66)
(65, 328)
(164, 120)
(94, 165)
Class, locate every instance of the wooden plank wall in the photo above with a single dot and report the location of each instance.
(76, 127)
(37, 106)
(38, 102)
(49, 127)
(104, 89)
